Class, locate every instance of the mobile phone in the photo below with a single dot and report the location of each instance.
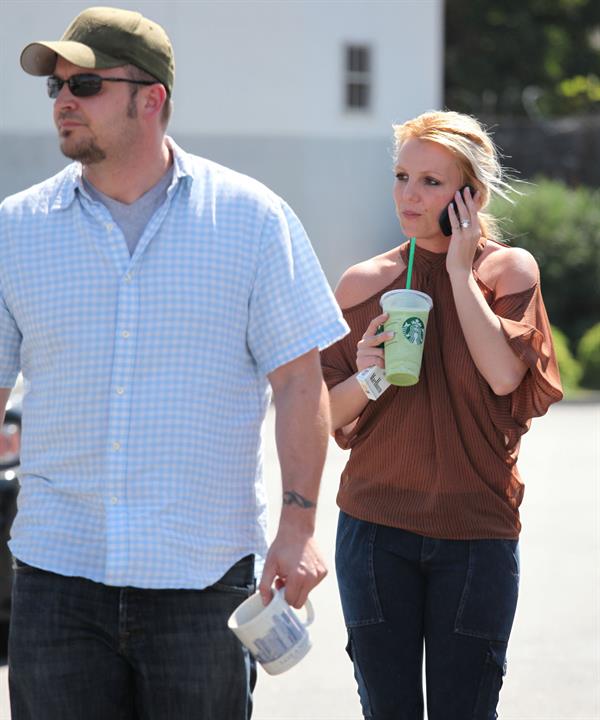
(445, 226)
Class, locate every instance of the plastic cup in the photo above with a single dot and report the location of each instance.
(408, 312)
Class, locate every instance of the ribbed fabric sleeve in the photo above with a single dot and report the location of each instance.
(439, 458)
(526, 326)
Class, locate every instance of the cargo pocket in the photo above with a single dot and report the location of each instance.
(494, 671)
(489, 598)
(362, 688)
(355, 571)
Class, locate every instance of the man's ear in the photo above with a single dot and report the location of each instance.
(154, 99)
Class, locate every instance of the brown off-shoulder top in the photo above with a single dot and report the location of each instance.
(439, 458)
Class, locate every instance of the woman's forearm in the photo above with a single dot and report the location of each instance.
(485, 339)
(347, 400)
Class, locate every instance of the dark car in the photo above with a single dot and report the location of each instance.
(10, 446)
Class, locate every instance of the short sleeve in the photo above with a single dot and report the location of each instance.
(336, 363)
(526, 326)
(337, 367)
(292, 308)
(10, 346)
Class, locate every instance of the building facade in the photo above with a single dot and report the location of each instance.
(301, 94)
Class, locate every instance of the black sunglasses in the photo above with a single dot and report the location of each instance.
(86, 84)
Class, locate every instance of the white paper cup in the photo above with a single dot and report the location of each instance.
(273, 633)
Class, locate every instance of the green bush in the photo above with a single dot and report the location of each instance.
(588, 354)
(561, 228)
(569, 367)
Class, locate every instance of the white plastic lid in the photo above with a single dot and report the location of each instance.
(405, 299)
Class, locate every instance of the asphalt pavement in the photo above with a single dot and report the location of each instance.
(554, 653)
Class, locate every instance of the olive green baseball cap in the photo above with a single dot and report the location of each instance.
(105, 37)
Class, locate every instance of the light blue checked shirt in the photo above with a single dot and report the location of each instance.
(145, 376)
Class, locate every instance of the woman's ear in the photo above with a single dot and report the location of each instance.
(478, 200)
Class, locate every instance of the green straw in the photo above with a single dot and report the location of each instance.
(411, 257)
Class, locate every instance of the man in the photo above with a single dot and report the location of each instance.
(149, 298)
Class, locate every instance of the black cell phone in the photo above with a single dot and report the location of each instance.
(445, 226)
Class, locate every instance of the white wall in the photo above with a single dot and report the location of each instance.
(255, 67)
(259, 87)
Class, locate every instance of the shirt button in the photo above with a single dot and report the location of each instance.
(120, 390)
(116, 446)
(125, 333)
(109, 227)
(128, 277)
(114, 500)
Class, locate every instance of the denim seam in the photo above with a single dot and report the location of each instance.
(372, 580)
(463, 601)
(464, 595)
(363, 623)
(486, 690)
(360, 681)
(372, 585)
(430, 555)
(230, 588)
(458, 628)
(344, 517)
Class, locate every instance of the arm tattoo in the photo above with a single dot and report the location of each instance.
(293, 498)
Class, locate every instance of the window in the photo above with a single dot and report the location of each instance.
(358, 77)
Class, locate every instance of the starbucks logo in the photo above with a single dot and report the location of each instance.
(414, 330)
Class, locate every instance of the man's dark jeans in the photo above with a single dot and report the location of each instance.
(401, 591)
(80, 650)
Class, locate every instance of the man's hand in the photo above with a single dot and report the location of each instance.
(293, 560)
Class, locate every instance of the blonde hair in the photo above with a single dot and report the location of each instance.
(476, 154)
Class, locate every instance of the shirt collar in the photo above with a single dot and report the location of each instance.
(68, 182)
(182, 162)
(71, 182)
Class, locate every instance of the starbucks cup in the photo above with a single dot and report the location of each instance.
(273, 633)
(408, 312)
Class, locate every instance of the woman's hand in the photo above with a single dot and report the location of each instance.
(466, 233)
(368, 354)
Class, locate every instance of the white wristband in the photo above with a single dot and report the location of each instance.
(372, 381)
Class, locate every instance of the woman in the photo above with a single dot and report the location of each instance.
(427, 545)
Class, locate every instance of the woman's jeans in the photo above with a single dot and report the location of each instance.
(79, 649)
(400, 591)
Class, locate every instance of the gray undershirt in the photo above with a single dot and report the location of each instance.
(133, 218)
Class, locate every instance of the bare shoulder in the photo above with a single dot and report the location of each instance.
(508, 270)
(366, 278)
